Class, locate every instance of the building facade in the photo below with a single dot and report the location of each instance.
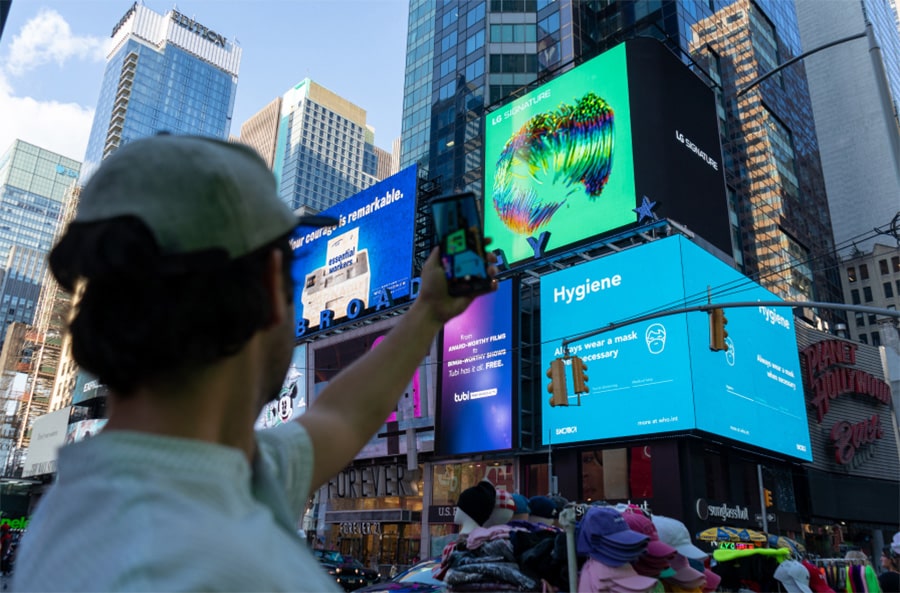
(324, 150)
(860, 146)
(485, 53)
(873, 280)
(33, 184)
(165, 73)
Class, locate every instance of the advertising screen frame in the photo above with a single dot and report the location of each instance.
(477, 325)
(365, 263)
(674, 149)
(665, 366)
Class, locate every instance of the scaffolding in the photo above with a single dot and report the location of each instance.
(43, 348)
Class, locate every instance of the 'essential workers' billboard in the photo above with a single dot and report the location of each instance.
(628, 136)
(364, 262)
(660, 376)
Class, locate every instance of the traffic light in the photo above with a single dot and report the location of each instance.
(557, 386)
(717, 333)
(768, 496)
(579, 379)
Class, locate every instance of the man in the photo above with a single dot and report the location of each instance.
(180, 260)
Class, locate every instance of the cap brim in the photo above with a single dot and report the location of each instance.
(627, 538)
(316, 220)
(660, 549)
(691, 551)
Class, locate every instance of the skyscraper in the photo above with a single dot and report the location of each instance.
(855, 97)
(166, 72)
(319, 146)
(33, 183)
(483, 53)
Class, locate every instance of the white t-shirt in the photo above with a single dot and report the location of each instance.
(137, 512)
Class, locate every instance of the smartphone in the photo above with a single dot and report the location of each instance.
(460, 234)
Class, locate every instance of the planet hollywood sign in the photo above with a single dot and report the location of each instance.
(827, 378)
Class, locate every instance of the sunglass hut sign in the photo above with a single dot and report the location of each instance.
(829, 375)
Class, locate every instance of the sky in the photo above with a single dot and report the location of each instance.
(53, 54)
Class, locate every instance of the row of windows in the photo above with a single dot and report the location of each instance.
(512, 63)
(887, 288)
(883, 267)
(876, 339)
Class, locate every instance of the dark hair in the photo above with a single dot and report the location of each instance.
(142, 318)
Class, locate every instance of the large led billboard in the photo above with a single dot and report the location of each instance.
(629, 135)
(475, 409)
(660, 376)
(364, 262)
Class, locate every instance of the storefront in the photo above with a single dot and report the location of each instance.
(852, 484)
(372, 511)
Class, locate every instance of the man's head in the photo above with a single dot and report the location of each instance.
(175, 252)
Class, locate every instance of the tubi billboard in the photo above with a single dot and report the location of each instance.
(363, 263)
(627, 136)
(475, 405)
(659, 376)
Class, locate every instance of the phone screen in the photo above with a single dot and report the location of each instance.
(457, 223)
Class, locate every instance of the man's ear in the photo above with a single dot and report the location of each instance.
(275, 288)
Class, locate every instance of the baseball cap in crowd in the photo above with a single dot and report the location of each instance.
(637, 521)
(193, 193)
(712, 581)
(793, 576)
(604, 535)
(817, 580)
(522, 507)
(674, 533)
(685, 575)
(542, 508)
(597, 576)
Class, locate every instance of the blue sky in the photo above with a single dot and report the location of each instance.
(53, 52)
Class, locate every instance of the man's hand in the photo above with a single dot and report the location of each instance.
(434, 292)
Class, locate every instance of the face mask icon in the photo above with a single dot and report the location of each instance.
(655, 336)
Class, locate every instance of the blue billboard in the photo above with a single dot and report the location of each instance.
(363, 263)
(660, 376)
(475, 403)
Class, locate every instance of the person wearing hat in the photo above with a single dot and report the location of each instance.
(180, 257)
(889, 580)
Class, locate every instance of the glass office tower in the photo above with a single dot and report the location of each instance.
(166, 72)
(483, 53)
(33, 183)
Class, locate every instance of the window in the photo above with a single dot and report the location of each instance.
(860, 320)
(475, 69)
(867, 293)
(888, 290)
(851, 274)
(864, 271)
(876, 339)
(474, 42)
(448, 42)
(895, 264)
(864, 338)
(872, 320)
(854, 295)
(882, 266)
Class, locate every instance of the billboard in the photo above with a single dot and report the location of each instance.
(629, 135)
(291, 401)
(48, 434)
(363, 263)
(475, 409)
(87, 387)
(413, 409)
(660, 376)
